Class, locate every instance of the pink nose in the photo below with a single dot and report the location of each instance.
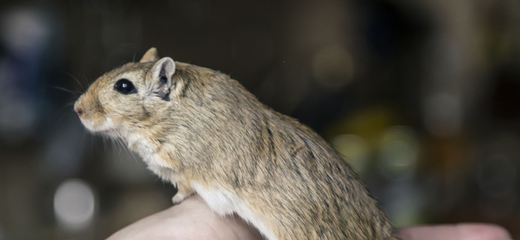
(79, 111)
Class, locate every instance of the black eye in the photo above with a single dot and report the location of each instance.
(124, 86)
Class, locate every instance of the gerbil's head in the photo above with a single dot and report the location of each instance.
(127, 95)
(157, 102)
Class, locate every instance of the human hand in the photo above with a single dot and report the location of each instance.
(467, 231)
(193, 219)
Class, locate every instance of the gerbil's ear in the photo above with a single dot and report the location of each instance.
(161, 78)
(150, 55)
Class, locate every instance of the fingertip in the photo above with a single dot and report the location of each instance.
(482, 231)
(464, 231)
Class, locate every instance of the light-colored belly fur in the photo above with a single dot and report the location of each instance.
(226, 203)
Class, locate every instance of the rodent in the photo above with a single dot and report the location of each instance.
(206, 134)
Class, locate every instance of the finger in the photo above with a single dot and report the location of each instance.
(192, 219)
(455, 232)
(229, 227)
(242, 229)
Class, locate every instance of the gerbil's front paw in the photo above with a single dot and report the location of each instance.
(179, 197)
(183, 192)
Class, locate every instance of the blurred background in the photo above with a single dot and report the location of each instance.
(422, 98)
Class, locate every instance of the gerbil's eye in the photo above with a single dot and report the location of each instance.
(124, 86)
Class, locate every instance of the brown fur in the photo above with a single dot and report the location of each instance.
(210, 131)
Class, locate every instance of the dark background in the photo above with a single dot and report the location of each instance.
(421, 97)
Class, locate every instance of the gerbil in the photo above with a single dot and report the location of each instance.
(202, 131)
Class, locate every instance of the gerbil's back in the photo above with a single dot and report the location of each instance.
(287, 173)
(318, 186)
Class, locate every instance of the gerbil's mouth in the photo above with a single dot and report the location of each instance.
(109, 132)
(106, 128)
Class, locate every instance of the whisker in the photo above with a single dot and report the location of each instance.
(75, 93)
(83, 140)
(85, 80)
(80, 85)
(91, 143)
(134, 155)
